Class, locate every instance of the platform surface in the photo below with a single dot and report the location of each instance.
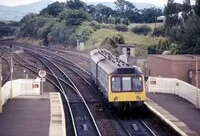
(180, 108)
(26, 116)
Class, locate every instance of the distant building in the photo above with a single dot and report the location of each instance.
(182, 67)
(127, 52)
(125, 49)
(163, 18)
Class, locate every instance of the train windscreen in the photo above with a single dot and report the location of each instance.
(116, 84)
(126, 84)
(137, 83)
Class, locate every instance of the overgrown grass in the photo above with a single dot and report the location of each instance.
(130, 38)
(152, 25)
(141, 42)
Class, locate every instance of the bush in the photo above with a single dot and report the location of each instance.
(113, 40)
(141, 29)
(111, 20)
(84, 32)
(125, 21)
(163, 44)
(95, 25)
(152, 49)
(60, 33)
(108, 26)
(121, 27)
(158, 31)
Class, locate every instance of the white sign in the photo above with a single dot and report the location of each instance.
(42, 73)
(42, 79)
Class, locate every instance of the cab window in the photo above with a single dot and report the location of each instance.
(116, 84)
(126, 83)
(137, 83)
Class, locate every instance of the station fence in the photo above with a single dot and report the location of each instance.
(20, 87)
(174, 86)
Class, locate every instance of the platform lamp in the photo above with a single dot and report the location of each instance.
(197, 82)
(11, 72)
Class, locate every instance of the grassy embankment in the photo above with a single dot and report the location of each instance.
(141, 41)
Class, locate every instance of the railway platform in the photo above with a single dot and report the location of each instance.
(176, 111)
(40, 115)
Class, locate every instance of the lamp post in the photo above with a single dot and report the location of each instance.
(197, 86)
(11, 75)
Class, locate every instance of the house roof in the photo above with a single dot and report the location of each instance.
(186, 57)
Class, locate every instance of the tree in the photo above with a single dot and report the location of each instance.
(102, 13)
(53, 9)
(84, 31)
(74, 17)
(126, 9)
(171, 12)
(189, 41)
(149, 15)
(123, 7)
(197, 7)
(91, 10)
(75, 4)
(61, 33)
(186, 9)
(6, 30)
(104, 10)
(27, 25)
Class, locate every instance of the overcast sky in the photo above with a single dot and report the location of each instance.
(21, 2)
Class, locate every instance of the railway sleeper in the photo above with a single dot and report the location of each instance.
(166, 127)
(135, 127)
(85, 128)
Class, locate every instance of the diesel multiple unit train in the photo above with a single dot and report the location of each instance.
(122, 85)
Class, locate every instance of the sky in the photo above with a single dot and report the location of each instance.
(22, 2)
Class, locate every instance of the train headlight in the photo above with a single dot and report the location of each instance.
(115, 98)
(138, 98)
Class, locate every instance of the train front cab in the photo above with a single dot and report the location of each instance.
(126, 89)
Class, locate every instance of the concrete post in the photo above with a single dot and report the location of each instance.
(1, 103)
(197, 86)
(11, 76)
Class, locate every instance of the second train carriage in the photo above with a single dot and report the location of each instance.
(121, 85)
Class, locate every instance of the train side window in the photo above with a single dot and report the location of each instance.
(126, 83)
(137, 83)
(116, 84)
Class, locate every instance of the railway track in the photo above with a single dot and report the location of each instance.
(78, 109)
(136, 127)
(82, 118)
(54, 62)
(6, 75)
(6, 65)
(132, 125)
